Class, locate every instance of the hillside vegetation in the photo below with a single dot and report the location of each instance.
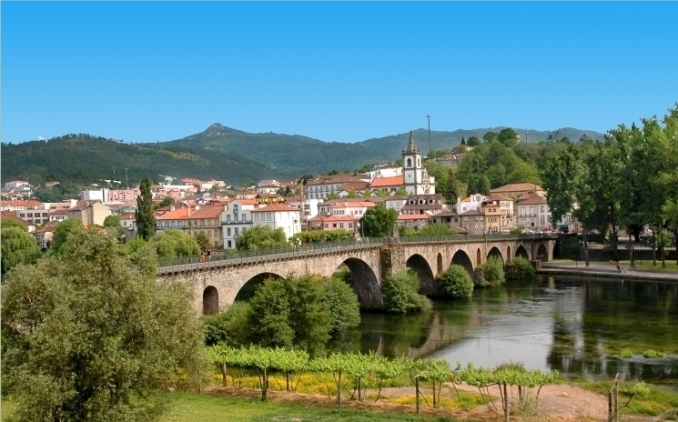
(219, 152)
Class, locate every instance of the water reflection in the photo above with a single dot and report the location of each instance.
(576, 326)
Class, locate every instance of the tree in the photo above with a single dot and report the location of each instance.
(343, 303)
(112, 222)
(478, 183)
(167, 201)
(18, 247)
(401, 191)
(91, 335)
(473, 141)
(144, 215)
(378, 221)
(262, 237)
(436, 229)
(290, 313)
(450, 187)
(401, 293)
(456, 282)
(203, 241)
(463, 141)
(490, 136)
(173, 243)
(381, 193)
(61, 233)
(332, 195)
(508, 137)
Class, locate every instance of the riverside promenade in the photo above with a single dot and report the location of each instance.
(604, 269)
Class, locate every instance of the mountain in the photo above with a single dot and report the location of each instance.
(223, 153)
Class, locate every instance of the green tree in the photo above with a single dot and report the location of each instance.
(262, 237)
(333, 195)
(173, 243)
(450, 187)
(112, 223)
(508, 137)
(381, 193)
(455, 282)
(473, 141)
(10, 222)
(378, 221)
(92, 336)
(167, 201)
(291, 313)
(228, 327)
(203, 241)
(493, 271)
(463, 141)
(18, 247)
(490, 136)
(144, 214)
(343, 303)
(61, 233)
(401, 191)
(401, 293)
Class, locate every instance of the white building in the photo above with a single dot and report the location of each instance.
(278, 215)
(473, 202)
(310, 206)
(355, 207)
(236, 218)
(95, 195)
(417, 180)
(534, 213)
(385, 172)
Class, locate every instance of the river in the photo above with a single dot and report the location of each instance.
(573, 325)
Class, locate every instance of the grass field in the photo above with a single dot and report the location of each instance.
(193, 407)
(646, 265)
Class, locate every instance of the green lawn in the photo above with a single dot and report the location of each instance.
(193, 407)
(646, 265)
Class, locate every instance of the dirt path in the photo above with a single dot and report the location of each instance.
(557, 402)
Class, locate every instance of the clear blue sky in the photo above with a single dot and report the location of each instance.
(347, 72)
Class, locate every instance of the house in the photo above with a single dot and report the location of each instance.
(413, 221)
(533, 212)
(201, 219)
(516, 190)
(391, 184)
(11, 215)
(235, 219)
(451, 218)
(498, 212)
(278, 215)
(384, 170)
(36, 216)
(269, 198)
(59, 215)
(423, 204)
(473, 222)
(123, 195)
(89, 212)
(355, 207)
(334, 222)
(15, 205)
(310, 207)
(321, 187)
(473, 202)
(15, 184)
(45, 234)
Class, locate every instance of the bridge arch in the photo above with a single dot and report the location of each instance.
(479, 258)
(521, 251)
(364, 283)
(420, 266)
(461, 258)
(210, 301)
(495, 252)
(508, 254)
(250, 287)
(542, 253)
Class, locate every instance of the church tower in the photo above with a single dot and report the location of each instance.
(416, 179)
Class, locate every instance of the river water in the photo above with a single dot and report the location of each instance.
(575, 326)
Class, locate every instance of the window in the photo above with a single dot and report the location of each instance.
(409, 162)
(228, 232)
(244, 217)
(236, 232)
(229, 244)
(202, 223)
(268, 216)
(341, 225)
(334, 225)
(350, 225)
(228, 218)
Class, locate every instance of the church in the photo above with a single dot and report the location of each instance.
(416, 178)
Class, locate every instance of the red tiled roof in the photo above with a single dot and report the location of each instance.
(380, 182)
(531, 200)
(338, 218)
(22, 203)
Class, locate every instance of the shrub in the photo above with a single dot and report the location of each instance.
(493, 271)
(401, 293)
(626, 353)
(343, 303)
(456, 282)
(227, 327)
(520, 268)
(649, 353)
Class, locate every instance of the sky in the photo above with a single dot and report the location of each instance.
(340, 71)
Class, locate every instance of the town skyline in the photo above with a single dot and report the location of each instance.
(344, 72)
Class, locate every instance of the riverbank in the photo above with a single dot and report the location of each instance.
(603, 270)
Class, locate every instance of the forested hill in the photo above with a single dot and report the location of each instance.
(220, 152)
(86, 158)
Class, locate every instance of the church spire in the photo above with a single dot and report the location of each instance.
(410, 145)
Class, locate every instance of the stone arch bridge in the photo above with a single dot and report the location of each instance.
(218, 283)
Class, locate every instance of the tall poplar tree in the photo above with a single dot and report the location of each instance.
(144, 214)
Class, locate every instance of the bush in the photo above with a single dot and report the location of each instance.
(519, 269)
(493, 271)
(456, 282)
(343, 303)
(649, 353)
(401, 293)
(626, 353)
(227, 327)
